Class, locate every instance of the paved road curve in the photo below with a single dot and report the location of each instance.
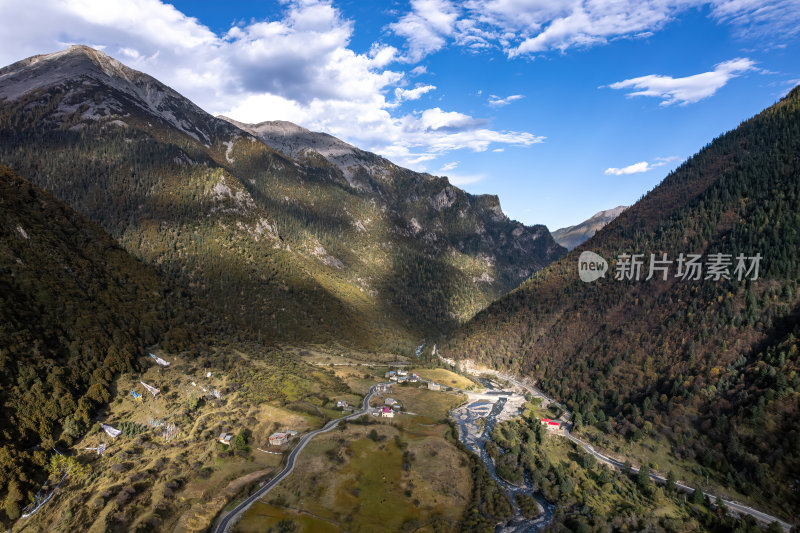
(734, 506)
(234, 515)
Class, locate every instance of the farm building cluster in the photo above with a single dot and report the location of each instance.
(282, 437)
(389, 408)
(401, 376)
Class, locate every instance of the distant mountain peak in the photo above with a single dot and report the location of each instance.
(573, 236)
(47, 70)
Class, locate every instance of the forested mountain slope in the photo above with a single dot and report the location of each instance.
(710, 366)
(75, 309)
(442, 216)
(280, 246)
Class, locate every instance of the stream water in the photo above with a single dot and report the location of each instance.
(467, 416)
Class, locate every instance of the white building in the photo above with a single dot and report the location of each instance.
(277, 439)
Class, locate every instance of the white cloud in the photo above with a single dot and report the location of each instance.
(526, 27)
(298, 67)
(436, 119)
(427, 27)
(759, 18)
(689, 89)
(382, 55)
(636, 168)
(642, 166)
(496, 101)
(449, 166)
(401, 94)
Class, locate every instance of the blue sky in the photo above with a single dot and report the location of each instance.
(532, 100)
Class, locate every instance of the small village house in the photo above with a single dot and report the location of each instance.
(387, 413)
(551, 425)
(225, 438)
(278, 439)
(434, 386)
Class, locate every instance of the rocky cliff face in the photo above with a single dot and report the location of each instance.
(520, 249)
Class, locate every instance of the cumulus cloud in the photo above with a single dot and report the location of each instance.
(435, 119)
(641, 166)
(528, 27)
(689, 89)
(496, 101)
(636, 168)
(298, 66)
(401, 94)
(426, 27)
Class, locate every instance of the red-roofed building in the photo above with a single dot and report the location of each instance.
(551, 424)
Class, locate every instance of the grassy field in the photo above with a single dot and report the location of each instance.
(325, 355)
(360, 378)
(446, 377)
(390, 480)
(433, 405)
(263, 516)
(388, 475)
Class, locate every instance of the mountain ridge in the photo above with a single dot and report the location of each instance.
(221, 211)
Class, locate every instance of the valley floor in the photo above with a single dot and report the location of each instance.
(413, 471)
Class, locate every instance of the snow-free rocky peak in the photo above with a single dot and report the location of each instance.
(296, 142)
(78, 72)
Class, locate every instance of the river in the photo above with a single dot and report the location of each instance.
(474, 438)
